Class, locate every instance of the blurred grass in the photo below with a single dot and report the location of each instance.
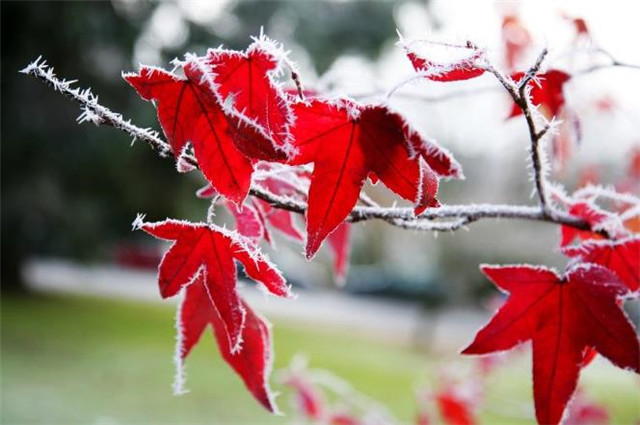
(99, 361)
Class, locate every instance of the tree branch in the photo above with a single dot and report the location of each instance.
(520, 96)
(444, 218)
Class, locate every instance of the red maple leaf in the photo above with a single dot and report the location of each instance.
(190, 110)
(586, 412)
(210, 250)
(249, 78)
(339, 242)
(621, 256)
(562, 315)
(591, 214)
(546, 92)
(517, 39)
(454, 410)
(252, 362)
(346, 141)
(290, 183)
(249, 223)
(463, 69)
(309, 400)
(343, 418)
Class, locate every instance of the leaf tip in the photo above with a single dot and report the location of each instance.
(138, 222)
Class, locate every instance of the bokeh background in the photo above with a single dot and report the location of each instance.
(84, 339)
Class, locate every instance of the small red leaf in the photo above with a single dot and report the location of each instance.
(454, 410)
(458, 70)
(281, 184)
(343, 418)
(621, 256)
(516, 39)
(340, 246)
(591, 214)
(280, 220)
(585, 412)
(547, 92)
(308, 399)
(206, 192)
(248, 221)
(562, 316)
(252, 363)
(249, 78)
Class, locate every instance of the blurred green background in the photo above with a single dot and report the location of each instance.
(71, 191)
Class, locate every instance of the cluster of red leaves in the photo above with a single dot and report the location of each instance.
(568, 317)
(318, 397)
(201, 264)
(228, 110)
(573, 316)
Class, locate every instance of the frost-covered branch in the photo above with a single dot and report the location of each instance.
(444, 218)
(612, 64)
(93, 111)
(520, 95)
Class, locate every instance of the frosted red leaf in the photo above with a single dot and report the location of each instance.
(308, 400)
(209, 250)
(517, 39)
(563, 316)
(252, 362)
(458, 70)
(547, 92)
(621, 256)
(339, 242)
(249, 77)
(346, 141)
(453, 409)
(190, 110)
(343, 418)
(591, 214)
(249, 223)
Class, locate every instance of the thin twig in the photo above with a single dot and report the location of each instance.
(520, 96)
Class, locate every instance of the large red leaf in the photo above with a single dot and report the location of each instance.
(622, 257)
(249, 77)
(190, 110)
(546, 91)
(562, 315)
(346, 141)
(209, 250)
(252, 363)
